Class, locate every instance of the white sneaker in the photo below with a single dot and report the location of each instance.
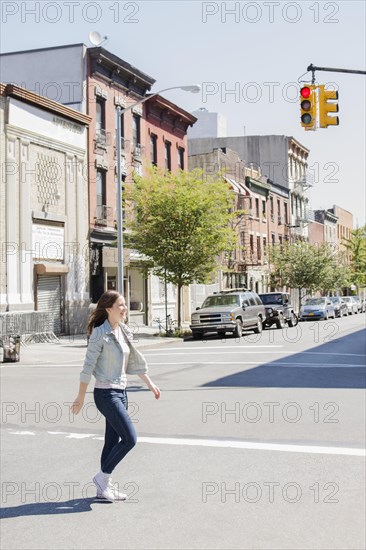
(102, 482)
(113, 490)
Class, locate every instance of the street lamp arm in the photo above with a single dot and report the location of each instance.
(195, 88)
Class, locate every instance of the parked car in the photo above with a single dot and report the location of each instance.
(340, 306)
(279, 309)
(351, 304)
(360, 303)
(232, 310)
(317, 308)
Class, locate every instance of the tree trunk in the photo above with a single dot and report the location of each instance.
(299, 305)
(179, 306)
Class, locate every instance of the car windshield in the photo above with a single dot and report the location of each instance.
(222, 300)
(335, 299)
(271, 298)
(347, 299)
(315, 302)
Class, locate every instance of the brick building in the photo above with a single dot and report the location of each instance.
(95, 81)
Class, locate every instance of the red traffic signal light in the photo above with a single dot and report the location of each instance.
(308, 107)
(305, 91)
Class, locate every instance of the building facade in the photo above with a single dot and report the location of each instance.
(97, 82)
(44, 220)
(264, 221)
(283, 161)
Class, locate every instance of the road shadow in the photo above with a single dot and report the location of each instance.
(74, 506)
(323, 366)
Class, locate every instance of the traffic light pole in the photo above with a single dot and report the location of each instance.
(312, 68)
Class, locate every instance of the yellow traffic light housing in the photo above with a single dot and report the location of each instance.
(308, 107)
(326, 106)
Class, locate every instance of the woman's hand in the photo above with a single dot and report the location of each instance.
(150, 384)
(155, 391)
(77, 405)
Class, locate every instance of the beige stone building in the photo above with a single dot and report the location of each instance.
(44, 214)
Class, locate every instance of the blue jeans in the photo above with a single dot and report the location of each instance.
(120, 435)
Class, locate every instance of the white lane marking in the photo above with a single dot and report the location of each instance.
(22, 433)
(247, 352)
(205, 348)
(230, 444)
(44, 365)
(79, 436)
(271, 364)
(281, 447)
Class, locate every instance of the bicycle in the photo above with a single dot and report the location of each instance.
(162, 323)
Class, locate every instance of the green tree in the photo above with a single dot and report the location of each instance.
(356, 248)
(301, 265)
(181, 223)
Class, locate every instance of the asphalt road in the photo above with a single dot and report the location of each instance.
(256, 443)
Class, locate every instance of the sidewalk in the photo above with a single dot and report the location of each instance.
(71, 349)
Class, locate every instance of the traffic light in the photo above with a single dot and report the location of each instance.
(308, 107)
(326, 106)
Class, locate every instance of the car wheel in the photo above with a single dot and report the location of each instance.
(280, 323)
(238, 331)
(258, 329)
(293, 320)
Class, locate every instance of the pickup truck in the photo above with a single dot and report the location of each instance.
(232, 310)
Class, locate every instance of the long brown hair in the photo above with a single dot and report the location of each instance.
(99, 315)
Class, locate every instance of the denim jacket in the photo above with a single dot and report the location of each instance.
(104, 356)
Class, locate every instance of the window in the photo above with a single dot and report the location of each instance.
(122, 127)
(263, 209)
(101, 209)
(153, 150)
(258, 301)
(279, 210)
(264, 246)
(168, 156)
(286, 212)
(100, 187)
(272, 208)
(257, 208)
(273, 239)
(136, 131)
(251, 242)
(100, 133)
(181, 158)
(280, 239)
(252, 299)
(259, 251)
(100, 114)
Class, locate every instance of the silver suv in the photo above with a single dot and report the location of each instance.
(232, 310)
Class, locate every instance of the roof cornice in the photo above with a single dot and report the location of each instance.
(31, 98)
(117, 71)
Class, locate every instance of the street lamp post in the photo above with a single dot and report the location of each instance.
(193, 89)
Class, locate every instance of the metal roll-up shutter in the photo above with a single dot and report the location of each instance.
(49, 300)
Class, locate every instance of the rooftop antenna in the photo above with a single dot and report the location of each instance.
(96, 38)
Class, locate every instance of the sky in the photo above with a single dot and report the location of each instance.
(248, 57)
